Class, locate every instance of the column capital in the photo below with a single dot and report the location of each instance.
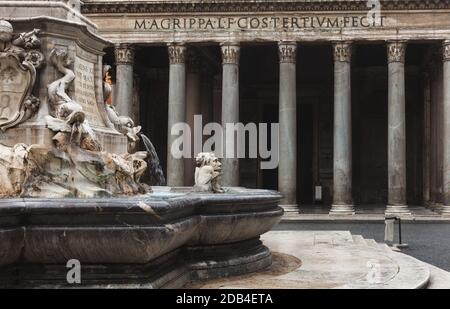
(230, 53)
(287, 52)
(342, 51)
(446, 50)
(124, 53)
(177, 53)
(396, 51)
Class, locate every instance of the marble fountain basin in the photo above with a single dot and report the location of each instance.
(163, 239)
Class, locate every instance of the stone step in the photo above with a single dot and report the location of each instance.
(439, 278)
(372, 243)
(359, 240)
(385, 247)
(322, 252)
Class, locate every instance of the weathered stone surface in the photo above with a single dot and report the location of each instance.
(83, 46)
(45, 171)
(19, 59)
(123, 95)
(330, 260)
(397, 203)
(142, 239)
(176, 112)
(287, 169)
(342, 167)
(72, 164)
(270, 21)
(62, 10)
(446, 129)
(230, 110)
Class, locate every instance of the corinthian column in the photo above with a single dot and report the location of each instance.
(123, 99)
(446, 131)
(177, 104)
(342, 171)
(396, 130)
(287, 168)
(230, 111)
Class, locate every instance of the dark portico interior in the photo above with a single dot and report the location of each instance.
(259, 75)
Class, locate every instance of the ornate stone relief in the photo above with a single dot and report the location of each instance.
(396, 51)
(19, 60)
(230, 53)
(287, 52)
(74, 165)
(177, 53)
(67, 117)
(207, 173)
(256, 6)
(342, 52)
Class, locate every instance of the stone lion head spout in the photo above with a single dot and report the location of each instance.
(207, 173)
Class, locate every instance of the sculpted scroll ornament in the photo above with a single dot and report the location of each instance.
(230, 54)
(19, 59)
(124, 54)
(343, 52)
(396, 52)
(177, 53)
(287, 52)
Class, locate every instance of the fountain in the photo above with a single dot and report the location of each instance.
(156, 174)
(71, 179)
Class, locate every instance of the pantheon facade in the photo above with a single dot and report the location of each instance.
(360, 89)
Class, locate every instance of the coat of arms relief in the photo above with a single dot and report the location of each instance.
(19, 59)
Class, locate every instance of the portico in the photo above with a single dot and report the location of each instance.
(357, 131)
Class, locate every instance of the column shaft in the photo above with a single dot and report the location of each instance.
(426, 140)
(176, 111)
(230, 112)
(446, 131)
(124, 80)
(287, 168)
(342, 168)
(397, 204)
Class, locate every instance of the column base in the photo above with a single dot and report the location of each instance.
(444, 210)
(397, 210)
(290, 209)
(437, 207)
(342, 210)
(428, 204)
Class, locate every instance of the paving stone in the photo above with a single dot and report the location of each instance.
(333, 259)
